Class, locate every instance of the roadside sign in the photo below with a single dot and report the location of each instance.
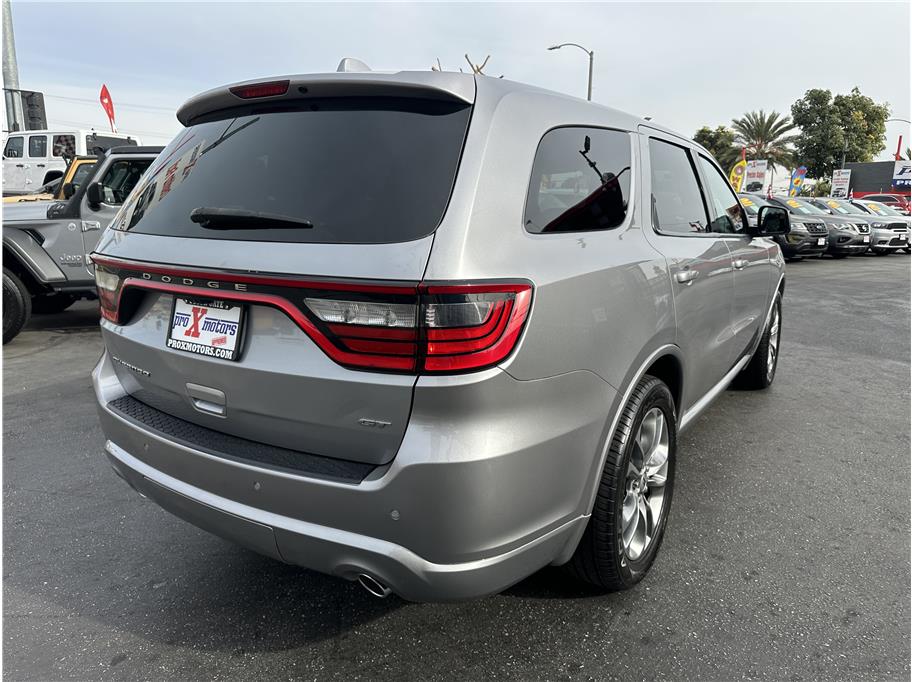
(840, 186)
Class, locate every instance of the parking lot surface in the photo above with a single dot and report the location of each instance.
(786, 556)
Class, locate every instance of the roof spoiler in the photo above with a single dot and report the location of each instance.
(353, 79)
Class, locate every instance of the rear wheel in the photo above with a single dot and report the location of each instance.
(761, 370)
(17, 305)
(52, 303)
(628, 520)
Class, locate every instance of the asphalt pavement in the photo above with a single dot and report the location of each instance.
(787, 555)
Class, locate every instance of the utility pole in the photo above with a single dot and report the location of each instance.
(11, 99)
(591, 54)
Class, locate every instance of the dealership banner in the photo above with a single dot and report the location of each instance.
(902, 175)
(797, 180)
(840, 186)
(755, 176)
(736, 176)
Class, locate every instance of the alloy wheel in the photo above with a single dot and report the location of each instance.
(647, 473)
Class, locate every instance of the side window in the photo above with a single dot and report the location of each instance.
(724, 207)
(38, 146)
(64, 145)
(580, 181)
(677, 203)
(120, 178)
(13, 149)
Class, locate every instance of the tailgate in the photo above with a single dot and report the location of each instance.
(282, 389)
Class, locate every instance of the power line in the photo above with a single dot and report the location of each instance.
(120, 105)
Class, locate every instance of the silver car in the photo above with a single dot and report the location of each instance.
(888, 235)
(427, 331)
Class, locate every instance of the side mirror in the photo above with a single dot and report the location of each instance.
(94, 194)
(772, 221)
(69, 189)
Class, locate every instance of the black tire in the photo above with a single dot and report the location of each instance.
(17, 306)
(881, 252)
(600, 558)
(759, 373)
(52, 303)
(839, 255)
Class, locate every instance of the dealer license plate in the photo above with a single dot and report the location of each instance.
(821, 241)
(902, 237)
(866, 239)
(206, 327)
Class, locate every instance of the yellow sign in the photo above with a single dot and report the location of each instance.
(736, 177)
(832, 204)
(793, 203)
(746, 202)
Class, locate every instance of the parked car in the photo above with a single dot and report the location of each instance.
(808, 235)
(45, 244)
(36, 157)
(431, 371)
(75, 175)
(898, 201)
(887, 212)
(886, 236)
(846, 235)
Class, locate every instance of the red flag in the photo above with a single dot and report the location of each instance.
(108, 105)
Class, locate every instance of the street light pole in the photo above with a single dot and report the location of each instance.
(591, 59)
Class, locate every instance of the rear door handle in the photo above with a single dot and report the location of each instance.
(740, 264)
(40, 165)
(686, 277)
(20, 165)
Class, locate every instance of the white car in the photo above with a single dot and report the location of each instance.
(36, 157)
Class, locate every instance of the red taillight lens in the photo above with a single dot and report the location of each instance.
(270, 89)
(109, 287)
(472, 326)
(445, 329)
(410, 329)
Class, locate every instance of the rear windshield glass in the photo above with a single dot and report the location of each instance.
(355, 170)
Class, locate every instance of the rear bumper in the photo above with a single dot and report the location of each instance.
(459, 513)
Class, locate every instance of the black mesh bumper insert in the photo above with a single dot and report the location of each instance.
(240, 449)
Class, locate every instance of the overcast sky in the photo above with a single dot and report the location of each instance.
(684, 64)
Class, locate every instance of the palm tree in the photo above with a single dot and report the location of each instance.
(765, 136)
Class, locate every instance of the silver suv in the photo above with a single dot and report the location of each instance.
(428, 331)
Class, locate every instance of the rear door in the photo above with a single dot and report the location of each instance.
(750, 257)
(254, 229)
(700, 262)
(14, 163)
(37, 161)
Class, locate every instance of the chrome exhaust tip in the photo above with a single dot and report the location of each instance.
(374, 586)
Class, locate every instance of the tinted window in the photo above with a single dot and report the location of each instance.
(82, 172)
(38, 146)
(13, 149)
(580, 181)
(358, 170)
(64, 145)
(120, 178)
(677, 205)
(724, 207)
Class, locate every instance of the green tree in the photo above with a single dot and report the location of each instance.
(766, 136)
(854, 123)
(720, 143)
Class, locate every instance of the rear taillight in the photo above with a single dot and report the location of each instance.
(108, 285)
(444, 329)
(410, 329)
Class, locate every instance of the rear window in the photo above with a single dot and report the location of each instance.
(355, 170)
(580, 181)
